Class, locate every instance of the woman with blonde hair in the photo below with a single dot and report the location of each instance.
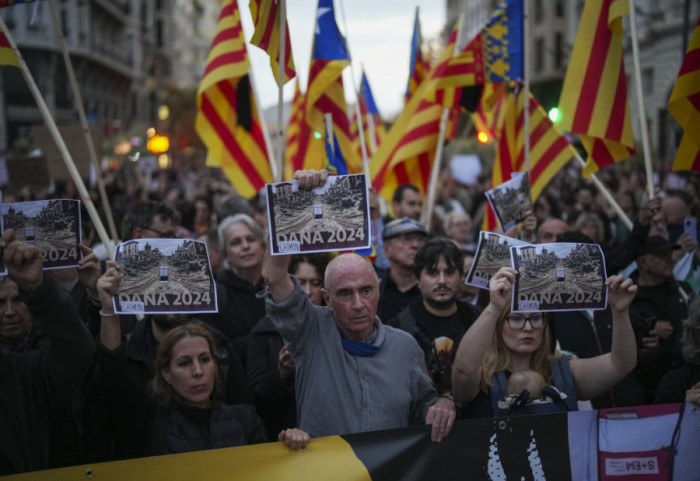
(501, 342)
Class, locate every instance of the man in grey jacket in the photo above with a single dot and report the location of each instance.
(353, 373)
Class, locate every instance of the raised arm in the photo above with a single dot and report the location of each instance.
(275, 267)
(466, 369)
(110, 326)
(595, 375)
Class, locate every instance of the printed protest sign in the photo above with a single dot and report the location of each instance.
(492, 253)
(52, 225)
(164, 276)
(328, 218)
(559, 277)
(511, 200)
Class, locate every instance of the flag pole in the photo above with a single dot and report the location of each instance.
(53, 129)
(608, 196)
(427, 214)
(640, 101)
(370, 125)
(363, 147)
(279, 164)
(92, 152)
(526, 82)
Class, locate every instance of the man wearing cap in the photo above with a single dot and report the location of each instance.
(657, 312)
(402, 239)
(353, 373)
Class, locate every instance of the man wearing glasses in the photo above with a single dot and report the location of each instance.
(399, 284)
(149, 220)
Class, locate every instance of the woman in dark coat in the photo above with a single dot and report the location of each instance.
(183, 412)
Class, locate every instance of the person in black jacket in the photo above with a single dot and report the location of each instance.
(436, 319)
(185, 412)
(34, 384)
(243, 243)
(683, 383)
(270, 366)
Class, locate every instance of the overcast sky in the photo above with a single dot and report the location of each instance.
(378, 34)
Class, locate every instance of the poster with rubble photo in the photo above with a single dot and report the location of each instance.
(563, 276)
(492, 253)
(511, 200)
(164, 276)
(328, 218)
(51, 225)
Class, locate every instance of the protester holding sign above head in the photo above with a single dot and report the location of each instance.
(186, 411)
(353, 373)
(501, 341)
(35, 383)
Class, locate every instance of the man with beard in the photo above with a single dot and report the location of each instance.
(436, 319)
(105, 438)
(399, 286)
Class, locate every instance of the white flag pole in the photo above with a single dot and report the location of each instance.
(640, 101)
(279, 164)
(427, 214)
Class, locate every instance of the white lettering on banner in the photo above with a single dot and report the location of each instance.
(631, 466)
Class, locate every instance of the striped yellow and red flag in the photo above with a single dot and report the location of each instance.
(325, 93)
(298, 136)
(227, 118)
(684, 105)
(406, 154)
(549, 149)
(593, 102)
(266, 17)
(7, 56)
(488, 117)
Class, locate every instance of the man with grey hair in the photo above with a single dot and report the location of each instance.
(353, 373)
(242, 242)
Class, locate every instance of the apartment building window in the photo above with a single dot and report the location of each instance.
(539, 11)
(558, 50)
(648, 81)
(559, 8)
(539, 54)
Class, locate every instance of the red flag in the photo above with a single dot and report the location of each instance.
(593, 99)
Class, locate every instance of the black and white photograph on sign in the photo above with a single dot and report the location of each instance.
(328, 218)
(51, 225)
(492, 253)
(164, 276)
(563, 276)
(511, 200)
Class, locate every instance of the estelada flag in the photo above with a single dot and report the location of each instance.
(593, 102)
(227, 118)
(684, 105)
(325, 93)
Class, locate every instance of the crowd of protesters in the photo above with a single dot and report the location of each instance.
(297, 341)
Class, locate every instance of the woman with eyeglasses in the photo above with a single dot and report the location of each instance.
(501, 341)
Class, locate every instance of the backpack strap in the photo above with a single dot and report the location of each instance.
(564, 381)
(497, 393)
